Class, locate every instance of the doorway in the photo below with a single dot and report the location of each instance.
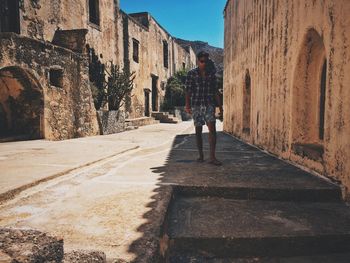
(154, 93)
(21, 105)
(9, 16)
(147, 102)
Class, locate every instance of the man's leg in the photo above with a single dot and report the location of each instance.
(199, 140)
(210, 120)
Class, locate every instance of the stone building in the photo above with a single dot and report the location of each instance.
(45, 55)
(286, 87)
(154, 55)
(52, 52)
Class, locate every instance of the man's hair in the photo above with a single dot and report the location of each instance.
(202, 54)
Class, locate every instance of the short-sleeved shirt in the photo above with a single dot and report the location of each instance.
(202, 89)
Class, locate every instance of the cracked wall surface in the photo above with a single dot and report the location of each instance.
(67, 111)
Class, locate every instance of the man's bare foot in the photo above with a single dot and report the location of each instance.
(215, 162)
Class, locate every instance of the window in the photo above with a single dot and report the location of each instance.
(9, 16)
(165, 54)
(56, 77)
(94, 12)
(135, 50)
(183, 65)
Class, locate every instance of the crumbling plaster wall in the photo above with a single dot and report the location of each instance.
(266, 38)
(68, 110)
(41, 18)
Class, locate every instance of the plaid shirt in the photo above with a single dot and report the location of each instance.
(202, 89)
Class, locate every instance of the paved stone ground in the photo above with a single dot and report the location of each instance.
(254, 208)
(119, 205)
(115, 205)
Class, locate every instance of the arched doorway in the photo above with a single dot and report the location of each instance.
(309, 98)
(21, 105)
(246, 103)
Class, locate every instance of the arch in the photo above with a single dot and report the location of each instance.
(309, 93)
(246, 103)
(21, 105)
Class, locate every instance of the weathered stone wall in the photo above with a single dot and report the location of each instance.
(67, 110)
(285, 81)
(111, 121)
(40, 19)
(143, 28)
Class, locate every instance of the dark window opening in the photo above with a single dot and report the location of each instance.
(94, 12)
(322, 99)
(9, 16)
(165, 54)
(135, 53)
(56, 77)
(183, 65)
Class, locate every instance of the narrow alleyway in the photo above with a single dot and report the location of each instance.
(254, 208)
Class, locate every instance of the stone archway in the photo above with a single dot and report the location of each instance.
(21, 105)
(308, 103)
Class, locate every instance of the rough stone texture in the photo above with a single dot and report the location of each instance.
(150, 35)
(59, 112)
(274, 56)
(40, 20)
(226, 227)
(82, 256)
(74, 40)
(111, 121)
(29, 246)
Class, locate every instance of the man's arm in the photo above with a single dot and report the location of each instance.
(217, 95)
(188, 93)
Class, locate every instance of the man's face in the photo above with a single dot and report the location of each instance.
(202, 61)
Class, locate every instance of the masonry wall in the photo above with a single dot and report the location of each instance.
(40, 19)
(285, 82)
(30, 101)
(143, 29)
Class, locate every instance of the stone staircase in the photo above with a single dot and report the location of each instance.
(138, 122)
(255, 208)
(165, 117)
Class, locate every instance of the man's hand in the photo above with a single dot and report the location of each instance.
(221, 113)
(188, 109)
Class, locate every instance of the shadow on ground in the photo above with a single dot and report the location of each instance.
(246, 174)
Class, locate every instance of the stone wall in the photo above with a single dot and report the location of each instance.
(150, 68)
(111, 121)
(51, 86)
(40, 19)
(285, 80)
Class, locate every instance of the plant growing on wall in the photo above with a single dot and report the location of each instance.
(119, 84)
(97, 78)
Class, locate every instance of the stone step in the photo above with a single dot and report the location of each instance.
(143, 121)
(331, 194)
(165, 117)
(240, 228)
(326, 258)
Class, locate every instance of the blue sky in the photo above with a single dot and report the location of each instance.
(187, 19)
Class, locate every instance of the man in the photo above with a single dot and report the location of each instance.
(201, 94)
